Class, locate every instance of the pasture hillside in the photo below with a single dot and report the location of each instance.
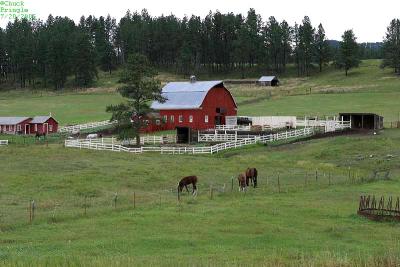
(85, 212)
(366, 89)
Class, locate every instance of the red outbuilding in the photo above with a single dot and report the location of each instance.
(43, 125)
(28, 125)
(194, 105)
(15, 125)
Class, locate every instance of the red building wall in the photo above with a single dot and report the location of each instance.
(41, 128)
(217, 97)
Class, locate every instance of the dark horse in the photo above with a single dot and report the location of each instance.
(242, 181)
(38, 135)
(185, 181)
(251, 175)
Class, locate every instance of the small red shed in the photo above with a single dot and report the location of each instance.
(43, 125)
(195, 104)
(15, 125)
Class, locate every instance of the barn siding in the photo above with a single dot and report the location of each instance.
(217, 97)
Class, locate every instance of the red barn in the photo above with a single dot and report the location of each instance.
(43, 125)
(15, 125)
(194, 105)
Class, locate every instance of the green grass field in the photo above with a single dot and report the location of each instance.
(366, 89)
(305, 223)
(100, 208)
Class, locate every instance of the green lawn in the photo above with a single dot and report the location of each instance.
(311, 223)
(67, 108)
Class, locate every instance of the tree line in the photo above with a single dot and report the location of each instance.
(47, 53)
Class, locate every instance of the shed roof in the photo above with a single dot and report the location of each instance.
(267, 78)
(358, 114)
(40, 119)
(184, 95)
(12, 120)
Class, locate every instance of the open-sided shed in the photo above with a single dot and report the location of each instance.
(369, 121)
(268, 81)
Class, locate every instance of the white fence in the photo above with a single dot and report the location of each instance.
(147, 139)
(79, 127)
(89, 144)
(217, 137)
(233, 127)
(3, 142)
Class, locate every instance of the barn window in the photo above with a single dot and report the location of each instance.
(206, 118)
(180, 118)
(50, 128)
(172, 118)
(19, 127)
(35, 127)
(165, 118)
(157, 122)
(190, 118)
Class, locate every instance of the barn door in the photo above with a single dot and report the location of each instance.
(45, 128)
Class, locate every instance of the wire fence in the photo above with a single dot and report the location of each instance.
(18, 211)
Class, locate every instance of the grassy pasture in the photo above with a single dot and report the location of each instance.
(366, 89)
(304, 224)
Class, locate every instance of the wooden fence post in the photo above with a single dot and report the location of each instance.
(179, 195)
(232, 184)
(305, 179)
(85, 205)
(316, 175)
(134, 200)
(31, 210)
(329, 178)
(160, 200)
(115, 200)
(279, 184)
(211, 192)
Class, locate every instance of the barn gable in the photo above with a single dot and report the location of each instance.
(185, 95)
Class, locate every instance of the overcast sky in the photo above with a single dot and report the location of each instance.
(368, 18)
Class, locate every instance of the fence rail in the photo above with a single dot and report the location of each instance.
(79, 127)
(97, 145)
(3, 142)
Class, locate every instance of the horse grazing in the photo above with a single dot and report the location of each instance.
(242, 181)
(39, 135)
(251, 174)
(185, 181)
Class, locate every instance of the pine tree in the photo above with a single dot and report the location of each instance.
(83, 57)
(321, 47)
(348, 53)
(391, 46)
(140, 87)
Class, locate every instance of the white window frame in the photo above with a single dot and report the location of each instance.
(19, 127)
(190, 118)
(158, 122)
(35, 127)
(206, 118)
(50, 128)
(180, 118)
(171, 118)
(165, 118)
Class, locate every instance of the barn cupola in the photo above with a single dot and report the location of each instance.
(192, 79)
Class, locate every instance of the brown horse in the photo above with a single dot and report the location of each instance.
(242, 181)
(185, 181)
(251, 174)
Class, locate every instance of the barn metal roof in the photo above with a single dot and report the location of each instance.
(184, 95)
(267, 78)
(12, 120)
(40, 119)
